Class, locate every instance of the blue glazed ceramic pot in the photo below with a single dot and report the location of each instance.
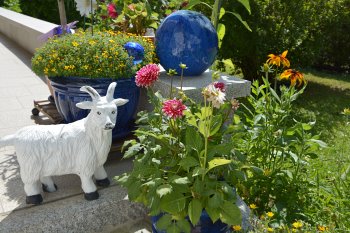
(205, 225)
(67, 95)
(186, 37)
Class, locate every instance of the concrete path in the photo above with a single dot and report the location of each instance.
(65, 210)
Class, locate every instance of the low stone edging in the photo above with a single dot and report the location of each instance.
(23, 29)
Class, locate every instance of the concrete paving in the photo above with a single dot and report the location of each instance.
(65, 210)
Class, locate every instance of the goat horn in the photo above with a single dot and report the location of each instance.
(110, 91)
(92, 92)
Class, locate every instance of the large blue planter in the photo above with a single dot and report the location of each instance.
(67, 95)
(205, 225)
(186, 37)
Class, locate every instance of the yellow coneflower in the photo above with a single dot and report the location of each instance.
(294, 76)
(278, 59)
(237, 227)
(269, 229)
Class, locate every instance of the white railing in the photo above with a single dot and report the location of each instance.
(23, 29)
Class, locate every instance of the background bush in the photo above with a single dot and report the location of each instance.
(314, 31)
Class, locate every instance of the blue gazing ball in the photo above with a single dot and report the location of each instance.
(186, 37)
(135, 50)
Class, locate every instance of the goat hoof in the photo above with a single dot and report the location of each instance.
(45, 188)
(91, 196)
(34, 199)
(103, 183)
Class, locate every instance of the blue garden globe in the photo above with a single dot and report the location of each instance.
(186, 37)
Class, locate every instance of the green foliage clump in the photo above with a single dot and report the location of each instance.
(101, 55)
(279, 148)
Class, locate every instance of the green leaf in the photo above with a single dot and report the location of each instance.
(293, 156)
(218, 162)
(222, 12)
(221, 149)
(188, 162)
(164, 222)
(173, 203)
(184, 225)
(192, 3)
(193, 139)
(230, 214)
(194, 211)
(181, 180)
(215, 124)
(275, 95)
(221, 30)
(164, 189)
(306, 126)
(128, 143)
(319, 142)
(214, 213)
(241, 20)
(215, 201)
(199, 171)
(173, 229)
(132, 150)
(246, 5)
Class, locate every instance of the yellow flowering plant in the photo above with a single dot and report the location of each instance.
(101, 55)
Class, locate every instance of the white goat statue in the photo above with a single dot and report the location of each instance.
(78, 148)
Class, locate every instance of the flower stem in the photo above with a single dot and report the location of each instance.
(182, 74)
(171, 87)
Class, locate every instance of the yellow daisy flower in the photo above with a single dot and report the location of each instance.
(236, 227)
(270, 214)
(297, 225)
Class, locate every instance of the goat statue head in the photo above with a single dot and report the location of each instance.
(103, 109)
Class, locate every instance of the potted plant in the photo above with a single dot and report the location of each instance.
(185, 167)
(81, 59)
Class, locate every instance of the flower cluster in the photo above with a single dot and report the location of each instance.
(295, 77)
(84, 55)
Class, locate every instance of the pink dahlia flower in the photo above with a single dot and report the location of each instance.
(112, 11)
(173, 108)
(147, 75)
(220, 86)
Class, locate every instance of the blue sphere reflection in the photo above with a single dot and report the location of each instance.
(186, 37)
(135, 50)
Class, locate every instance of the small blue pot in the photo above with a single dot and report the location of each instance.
(205, 225)
(67, 95)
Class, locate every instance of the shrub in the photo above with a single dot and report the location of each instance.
(85, 55)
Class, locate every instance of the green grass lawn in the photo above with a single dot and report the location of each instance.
(324, 99)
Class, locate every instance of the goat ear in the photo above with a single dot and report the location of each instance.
(120, 102)
(85, 105)
(110, 91)
(92, 92)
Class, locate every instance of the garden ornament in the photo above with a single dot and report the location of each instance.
(78, 148)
